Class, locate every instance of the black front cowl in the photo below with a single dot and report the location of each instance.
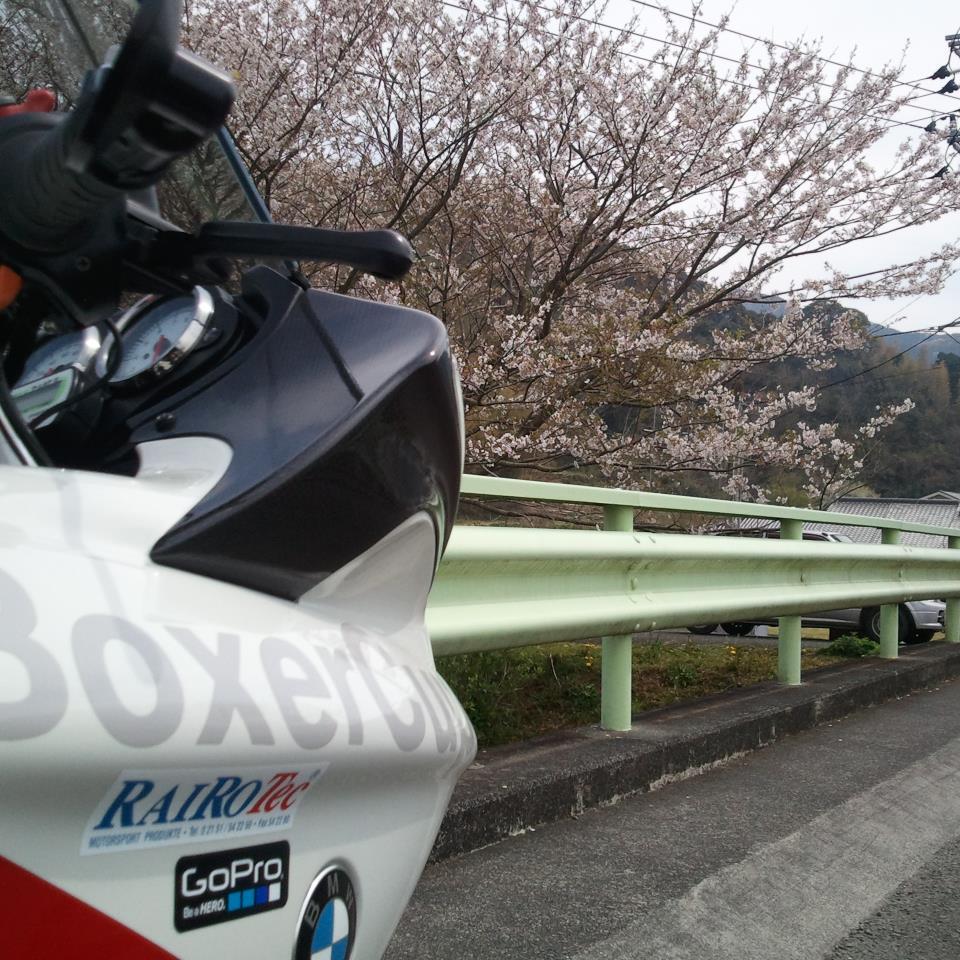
(342, 416)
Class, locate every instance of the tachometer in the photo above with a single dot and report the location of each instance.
(157, 334)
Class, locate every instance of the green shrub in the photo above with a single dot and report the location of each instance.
(852, 645)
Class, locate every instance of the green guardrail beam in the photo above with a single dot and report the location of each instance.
(507, 489)
(500, 587)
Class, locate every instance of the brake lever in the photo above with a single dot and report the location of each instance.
(384, 253)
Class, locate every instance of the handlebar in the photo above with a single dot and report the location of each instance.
(44, 204)
(64, 175)
(65, 216)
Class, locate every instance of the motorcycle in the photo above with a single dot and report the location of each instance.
(222, 504)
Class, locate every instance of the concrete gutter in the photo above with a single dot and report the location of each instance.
(511, 789)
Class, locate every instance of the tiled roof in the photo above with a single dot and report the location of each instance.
(942, 495)
(940, 513)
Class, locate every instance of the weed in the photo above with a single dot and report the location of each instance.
(852, 645)
(682, 674)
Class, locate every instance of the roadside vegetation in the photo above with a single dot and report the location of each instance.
(516, 694)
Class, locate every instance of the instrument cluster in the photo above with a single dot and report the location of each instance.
(157, 336)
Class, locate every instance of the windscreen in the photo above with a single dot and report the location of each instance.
(53, 44)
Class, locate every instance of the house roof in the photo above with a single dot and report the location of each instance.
(941, 513)
(942, 495)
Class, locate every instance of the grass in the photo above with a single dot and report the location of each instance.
(516, 694)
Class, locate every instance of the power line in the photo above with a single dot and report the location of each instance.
(917, 298)
(780, 46)
(952, 337)
(623, 53)
(927, 113)
(904, 373)
(883, 363)
(901, 310)
(889, 316)
(898, 333)
(876, 366)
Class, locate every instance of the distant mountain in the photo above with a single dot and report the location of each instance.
(918, 453)
(916, 342)
(773, 306)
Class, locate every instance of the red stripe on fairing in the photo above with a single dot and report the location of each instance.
(39, 920)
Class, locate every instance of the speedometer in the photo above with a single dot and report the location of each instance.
(158, 334)
(77, 349)
(58, 370)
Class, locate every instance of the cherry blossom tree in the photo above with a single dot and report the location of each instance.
(592, 210)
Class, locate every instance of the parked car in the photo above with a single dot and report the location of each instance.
(919, 619)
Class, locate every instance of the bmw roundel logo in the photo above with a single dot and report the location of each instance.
(328, 918)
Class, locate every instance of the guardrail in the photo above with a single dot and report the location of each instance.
(501, 587)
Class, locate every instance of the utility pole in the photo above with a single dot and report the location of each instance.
(953, 42)
(946, 72)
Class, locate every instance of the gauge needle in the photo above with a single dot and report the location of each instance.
(159, 348)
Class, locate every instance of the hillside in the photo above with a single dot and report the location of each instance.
(917, 341)
(920, 452)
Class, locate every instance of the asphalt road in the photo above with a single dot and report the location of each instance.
(919, 919)
(840, 843)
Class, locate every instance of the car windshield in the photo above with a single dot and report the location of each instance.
(54, 43)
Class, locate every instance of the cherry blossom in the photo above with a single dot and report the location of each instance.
(591, 212)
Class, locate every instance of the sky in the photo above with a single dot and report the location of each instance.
(870, 34)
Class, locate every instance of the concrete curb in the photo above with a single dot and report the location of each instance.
(510, 789)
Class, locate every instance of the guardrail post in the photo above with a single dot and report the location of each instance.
(616, 661)
(890, 612)
(951, 616)
(788, 641)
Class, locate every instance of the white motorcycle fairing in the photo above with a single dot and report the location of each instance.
(195, 769)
